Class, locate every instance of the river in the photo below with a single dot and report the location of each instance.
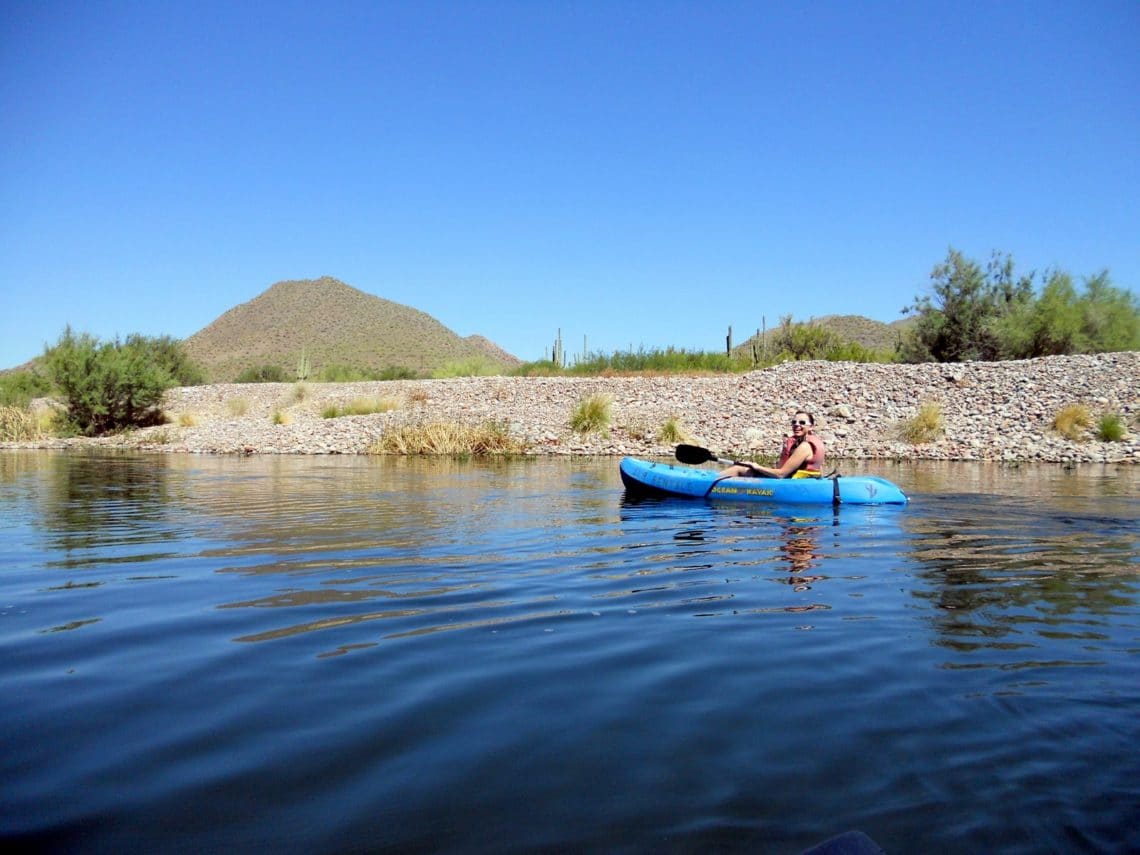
(357, 654)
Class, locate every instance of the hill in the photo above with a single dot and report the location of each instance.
(331, 323)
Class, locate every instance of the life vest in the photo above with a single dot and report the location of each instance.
(814, 464)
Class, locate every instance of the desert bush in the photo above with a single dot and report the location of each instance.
(108, 386)
(162, 436)
(592, 414)
(476, 366)
(672, 432)
(397, 372)
(538, 368)
(1110, 428)
(19, 388)
(187, 420)
(300, 391)
(418, 396)
(263, 374)
(237, 407)
(282, 417)
(668, 361)
(361, 407)
(1072, 421)
(449, 438)
(168, 353)
(347, 374)
(925, 426)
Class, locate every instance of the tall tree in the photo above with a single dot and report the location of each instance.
(958, 320)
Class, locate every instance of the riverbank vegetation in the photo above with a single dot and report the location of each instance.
(592, 414)
(111, 385)
(449, 439)
(970, 312)
(992, 313)
(20, 424)
(926, 425)
(362, 406)
(1073, 421)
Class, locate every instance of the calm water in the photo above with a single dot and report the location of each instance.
(359, 655)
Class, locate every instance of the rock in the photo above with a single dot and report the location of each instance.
(991, 411)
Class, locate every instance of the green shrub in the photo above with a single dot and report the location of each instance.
(397, 372)
(925, 426)
(263, 374)
(1110, 428)
(1072, 421)
(538, 368)
(168, 353)
(476, 366)
(108, 386)
(347, 374)
(592, 414)
(361, 407)
(671, 432)
(20, 387)
(667, 361)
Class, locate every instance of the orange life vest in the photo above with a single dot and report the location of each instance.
(812, 464)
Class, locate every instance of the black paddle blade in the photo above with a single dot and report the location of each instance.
(694, 454)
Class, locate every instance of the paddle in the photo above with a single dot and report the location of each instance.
(696, 455)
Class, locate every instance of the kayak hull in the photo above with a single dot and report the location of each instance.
(645, 477)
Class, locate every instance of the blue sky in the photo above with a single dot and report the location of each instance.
(634, 174)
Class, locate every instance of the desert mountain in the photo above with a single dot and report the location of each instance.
(330, 323)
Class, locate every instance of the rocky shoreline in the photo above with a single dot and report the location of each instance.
(1000, 411)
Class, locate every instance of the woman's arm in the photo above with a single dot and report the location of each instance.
(796, 459)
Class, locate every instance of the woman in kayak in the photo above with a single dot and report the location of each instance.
(800, 457)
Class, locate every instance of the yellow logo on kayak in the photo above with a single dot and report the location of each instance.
(747, 491)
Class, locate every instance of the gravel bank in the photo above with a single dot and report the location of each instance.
(993, 411)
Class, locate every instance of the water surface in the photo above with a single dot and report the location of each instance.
(364, 655)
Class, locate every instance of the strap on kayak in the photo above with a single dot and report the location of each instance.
(833, 476)
(714, 483)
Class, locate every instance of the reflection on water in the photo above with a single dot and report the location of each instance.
(389, 655)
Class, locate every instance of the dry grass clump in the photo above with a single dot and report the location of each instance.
(1072, 421)
(592, 414)
(418, 396)
(448, 438)
(925, 426)
(362, 406)
(300, 392)
(237, 407)
(18, 424)
(638, 431)
(672, 432)
(188, 420)
(282, 417)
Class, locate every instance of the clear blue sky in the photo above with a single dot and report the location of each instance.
(638, 173)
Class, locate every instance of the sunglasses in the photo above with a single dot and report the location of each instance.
(802, 422)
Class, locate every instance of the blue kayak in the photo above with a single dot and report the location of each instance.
(645, 477)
